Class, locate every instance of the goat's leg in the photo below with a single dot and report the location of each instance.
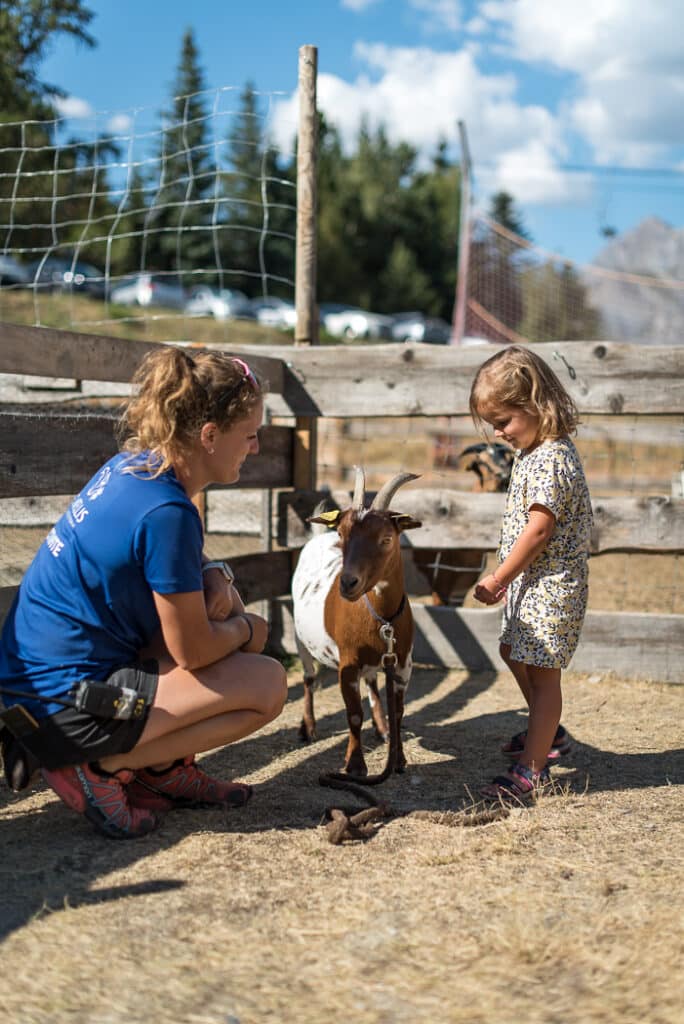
(377, 710)
(307, 728)
(399, 691)
(350, 683)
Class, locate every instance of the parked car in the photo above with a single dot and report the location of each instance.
(274, 312)
(353, 324)
(418, 327)
(149, 289)
(222, 303)
(66, 274)
(12, 273)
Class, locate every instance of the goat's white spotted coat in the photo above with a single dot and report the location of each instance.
(319, 563)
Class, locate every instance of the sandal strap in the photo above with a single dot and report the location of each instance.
(511, 786)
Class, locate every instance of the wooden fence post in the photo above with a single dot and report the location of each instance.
(306, 330)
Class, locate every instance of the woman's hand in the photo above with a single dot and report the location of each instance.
(259, 636)
(489, 590)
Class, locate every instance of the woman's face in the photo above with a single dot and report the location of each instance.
(232, 446)
(516, 427)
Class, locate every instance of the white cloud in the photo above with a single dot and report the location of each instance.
(72, 106)
(358, 5)
(119, 124)
(626, 56)
(530, 173)
(442, 15)
(419, 95)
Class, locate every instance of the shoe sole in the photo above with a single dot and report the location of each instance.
(79, 803)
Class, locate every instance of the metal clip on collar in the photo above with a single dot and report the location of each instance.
(389, 660)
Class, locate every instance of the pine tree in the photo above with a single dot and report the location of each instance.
(180, 221)
(33, 200)
(258, 194)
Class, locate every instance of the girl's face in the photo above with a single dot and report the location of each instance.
(232, 446)
(515, 426)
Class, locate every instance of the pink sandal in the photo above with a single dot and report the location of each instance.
(561, 745)
(519, 785)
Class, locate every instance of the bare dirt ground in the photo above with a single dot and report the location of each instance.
(572, 909)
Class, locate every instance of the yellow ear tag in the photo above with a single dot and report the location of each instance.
(330, 518)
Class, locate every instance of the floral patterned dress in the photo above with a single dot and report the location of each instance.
(545, 605)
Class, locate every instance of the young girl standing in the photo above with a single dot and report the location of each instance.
(542, 559)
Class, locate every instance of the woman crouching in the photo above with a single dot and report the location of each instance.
(121, 594)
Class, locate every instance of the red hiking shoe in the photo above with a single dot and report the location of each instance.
(101, 797)
(184, 785)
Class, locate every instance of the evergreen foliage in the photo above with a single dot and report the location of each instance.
(260, 202)
(181, 219)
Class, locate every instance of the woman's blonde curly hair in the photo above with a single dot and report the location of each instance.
(175, 395)
(519, 378)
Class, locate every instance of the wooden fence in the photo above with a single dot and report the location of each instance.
(51, 441)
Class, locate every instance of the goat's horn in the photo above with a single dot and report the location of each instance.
(359, 489)
(479, 447)
(382, 499)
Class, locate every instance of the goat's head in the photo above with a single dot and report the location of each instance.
(369, 537)
(491, 464)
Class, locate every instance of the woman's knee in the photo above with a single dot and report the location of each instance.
(276, 678)
(268, 686)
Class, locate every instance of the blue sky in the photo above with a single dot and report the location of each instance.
(547, 90)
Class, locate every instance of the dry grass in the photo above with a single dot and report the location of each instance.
(89, 316)
(572, 909)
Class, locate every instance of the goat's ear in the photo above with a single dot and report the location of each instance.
(402, 521)
(327, 518)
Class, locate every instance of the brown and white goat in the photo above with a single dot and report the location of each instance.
(453, 571)
(349, 582)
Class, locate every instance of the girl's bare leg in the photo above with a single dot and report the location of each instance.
(519, 671)
(207, 708)
(546, 704)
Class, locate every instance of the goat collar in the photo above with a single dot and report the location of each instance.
(379, 618)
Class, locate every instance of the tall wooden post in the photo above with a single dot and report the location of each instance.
(306, 330)
(459, 317)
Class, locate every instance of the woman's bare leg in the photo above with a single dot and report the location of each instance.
(207, 708)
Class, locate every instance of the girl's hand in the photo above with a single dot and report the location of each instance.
(219, 596)
(489, 590)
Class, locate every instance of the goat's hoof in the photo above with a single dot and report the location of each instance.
(306, 734)
(381, 737)
(356, 768)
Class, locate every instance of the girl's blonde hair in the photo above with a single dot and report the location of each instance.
(176, 394)
(519, 378)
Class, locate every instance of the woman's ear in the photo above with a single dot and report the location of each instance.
(208, 437)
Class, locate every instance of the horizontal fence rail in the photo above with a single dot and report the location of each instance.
(458, 519)
(429, 380)
(48, 352)
(377, 380)
(47, 452)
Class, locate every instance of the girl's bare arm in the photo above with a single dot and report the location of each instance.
(531, 542)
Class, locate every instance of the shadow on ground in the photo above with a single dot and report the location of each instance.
(51, 859)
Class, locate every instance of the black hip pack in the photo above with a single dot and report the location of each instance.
(22, 743)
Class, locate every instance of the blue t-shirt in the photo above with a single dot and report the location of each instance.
(85, 605)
